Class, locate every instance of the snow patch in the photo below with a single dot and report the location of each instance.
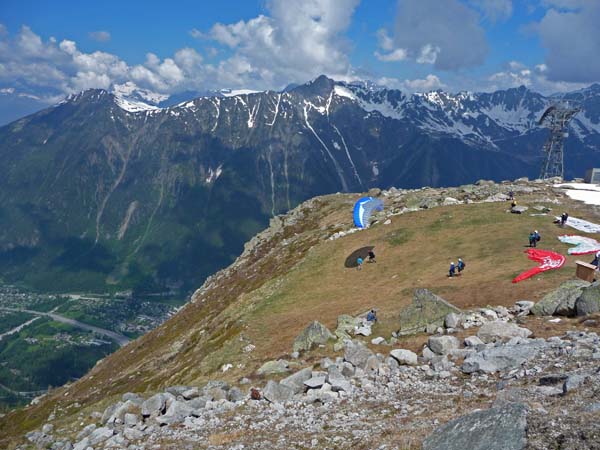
(235, 92)
(344, 92)
(214, 174)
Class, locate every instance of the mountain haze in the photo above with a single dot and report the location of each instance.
(105, 192)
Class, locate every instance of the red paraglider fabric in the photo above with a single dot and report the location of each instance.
(548, 260)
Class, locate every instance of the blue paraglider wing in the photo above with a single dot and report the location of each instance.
(363, 209)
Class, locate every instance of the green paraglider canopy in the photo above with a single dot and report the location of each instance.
(362, 252)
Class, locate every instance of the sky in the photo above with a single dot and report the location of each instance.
(52, 48)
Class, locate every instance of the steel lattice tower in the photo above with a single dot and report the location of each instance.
(557, 118)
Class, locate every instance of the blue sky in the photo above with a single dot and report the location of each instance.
(52, 48)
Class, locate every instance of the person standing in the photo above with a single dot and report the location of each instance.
(452, 270)
(563, 219)
(461, 265)
(359, 263)
(532, 240)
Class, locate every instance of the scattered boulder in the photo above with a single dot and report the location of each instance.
(315, 382)
(573, 381)
(503, 428)
(314, 334)
(472, 341)
(560, 301)
(154, 405)
(357, 353)
(519, 209)
(378, 340)
(501, 331)
(452, 320)
(425, 309)
(346, 324)
(99, 435)
(337, 380)
(404, 357)
(277, 392)
(273, 367)
(296, 380)
(235, 395)
(589, 301)
(441, 345)
(501, 358)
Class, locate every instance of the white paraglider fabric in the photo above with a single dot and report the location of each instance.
(582, 225)
(583, 245)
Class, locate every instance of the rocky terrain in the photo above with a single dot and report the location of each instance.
(509, 391)
(255, 362)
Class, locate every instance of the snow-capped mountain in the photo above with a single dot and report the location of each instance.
(115, 173)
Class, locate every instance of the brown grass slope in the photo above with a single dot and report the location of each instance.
(295, 275)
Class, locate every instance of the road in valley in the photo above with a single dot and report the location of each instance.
(117, 337)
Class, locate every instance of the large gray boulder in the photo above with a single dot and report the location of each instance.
(277, 392)
(404, 357)
(589, 301)
(357, 353)
(503, 428)
(560, 301)
(99, 435)
(337, 380)
(176, 413)
(346, 325)
(154, 405)
(499, 331)
(296, 380)
(452, 320)
(441, 345)
(502, 358)
(425, 309)
(314, 334)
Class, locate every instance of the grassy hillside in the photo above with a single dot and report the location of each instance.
(292, 274)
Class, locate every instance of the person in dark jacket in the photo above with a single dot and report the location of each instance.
(461, 265)
(371, 256)
(563, 219)
(372, 316)
(452, 270)
(532, 240)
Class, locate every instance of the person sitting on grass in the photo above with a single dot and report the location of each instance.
(452, 270)
(372, 316)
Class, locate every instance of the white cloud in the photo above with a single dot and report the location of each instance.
(100, 36)
(429, 83)
(448, 37)
(395, 55)
(517, 74)
(296, 42)
(428, 54)
(569, 33)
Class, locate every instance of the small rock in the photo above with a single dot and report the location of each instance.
(378, 340)
(314, 334)
(472, 341)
